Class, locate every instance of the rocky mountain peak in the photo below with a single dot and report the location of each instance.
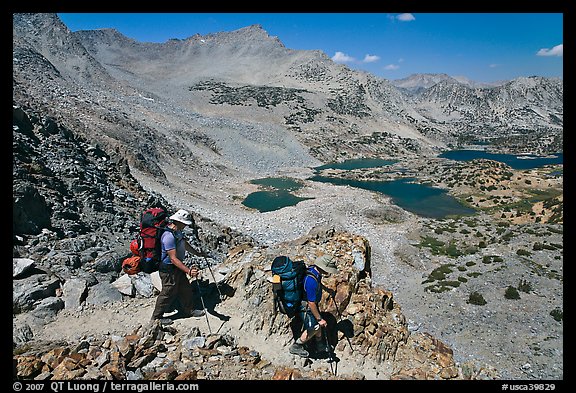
(109, 36)
(418, 81)
(25, 21)
(52, 40)
(255, 29)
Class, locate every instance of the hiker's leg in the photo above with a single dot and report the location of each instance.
(296, 325)
(319, 344)
(166, 295)
(311, 327)
(298, 347)
(175, 305)
(185, 293)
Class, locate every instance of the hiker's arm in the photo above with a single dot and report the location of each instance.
(316, 312)
(193, 271)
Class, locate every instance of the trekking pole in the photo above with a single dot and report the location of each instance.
(214, 278)
(330, 352)
(203, 305)
(340, 317)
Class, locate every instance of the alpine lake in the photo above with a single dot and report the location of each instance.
(421, 199)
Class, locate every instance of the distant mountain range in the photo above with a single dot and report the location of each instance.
(419, 82)
(128, 93)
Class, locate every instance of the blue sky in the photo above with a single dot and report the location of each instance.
(484, 47)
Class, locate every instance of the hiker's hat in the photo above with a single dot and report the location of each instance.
(326, 263)
(182, 216)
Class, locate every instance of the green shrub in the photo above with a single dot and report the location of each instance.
(440, 273)
(477, 299)
(452, 251)
(557, 314)
(511, 293)
(450, 283)
(525, 286)
(524, 253)
(436, 246)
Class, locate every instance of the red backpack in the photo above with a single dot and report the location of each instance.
(152, 226)
(149, 250)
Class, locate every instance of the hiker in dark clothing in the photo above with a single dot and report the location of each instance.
(174, 273)
(312, 320)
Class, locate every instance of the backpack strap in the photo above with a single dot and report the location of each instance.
(310, 274)
(165, 228)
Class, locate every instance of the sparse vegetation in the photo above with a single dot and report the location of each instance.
(492, 258)
(524, 286)
(557, 314)
(264, 96)
(476, 299)
(452, 251)
(439, 273)
(523, 253)
(436, 246)
(511, 293)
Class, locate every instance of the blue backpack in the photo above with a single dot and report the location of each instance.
(288, 284)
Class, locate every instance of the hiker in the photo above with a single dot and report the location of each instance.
(174, 273)
(312, 321)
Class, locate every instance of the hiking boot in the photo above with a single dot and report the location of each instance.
(192, 314)
(165, 321)
(298, 349)
(197, 313)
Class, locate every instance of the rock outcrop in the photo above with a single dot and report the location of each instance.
(365, 326)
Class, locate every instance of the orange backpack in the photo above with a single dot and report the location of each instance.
(131, 265)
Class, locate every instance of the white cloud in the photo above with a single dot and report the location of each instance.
(370, 58)
(558, 50)
(406, 17)
(494, 65)
(391, 67)
(341, 57)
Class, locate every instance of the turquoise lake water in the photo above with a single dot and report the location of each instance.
(267, 201)
(527, 161)
(277, 193)
(419, 199)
